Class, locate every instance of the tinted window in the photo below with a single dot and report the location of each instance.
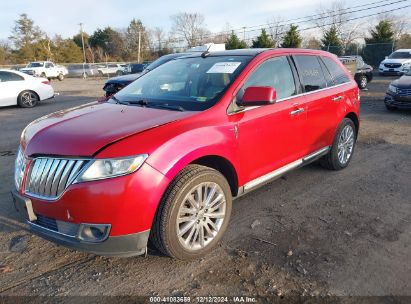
(337, 73)
(327, 75)
(275, 73)
(7, 76)
(49, 65)
(112, 65)
(310, 73)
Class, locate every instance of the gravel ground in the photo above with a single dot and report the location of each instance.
(312, 232)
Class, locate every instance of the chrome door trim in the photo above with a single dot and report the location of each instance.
(288, 98)
(280, 171)
(262, 179)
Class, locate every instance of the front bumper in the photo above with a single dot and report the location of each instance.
(127, 204)
(391, 71)
(397, 101)
(69, 234)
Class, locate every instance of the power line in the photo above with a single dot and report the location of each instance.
(214, 35)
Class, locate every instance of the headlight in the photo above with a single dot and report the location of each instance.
(392, 88)
(112, 167)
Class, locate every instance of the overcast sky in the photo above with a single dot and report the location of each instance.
(63, 17)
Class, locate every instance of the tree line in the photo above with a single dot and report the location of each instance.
(28, 42)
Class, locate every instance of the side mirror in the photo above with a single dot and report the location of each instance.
(258, 96)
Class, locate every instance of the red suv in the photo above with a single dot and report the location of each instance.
(163, 159)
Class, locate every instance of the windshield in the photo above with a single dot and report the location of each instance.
(35, 65)
(193, 84)
(400, 55)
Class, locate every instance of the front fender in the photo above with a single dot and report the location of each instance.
(184, 149)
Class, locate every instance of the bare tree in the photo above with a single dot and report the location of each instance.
(190, 27)
(276, 29)
(337, 14)
(222, 36)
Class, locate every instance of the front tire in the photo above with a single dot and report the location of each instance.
(27, 99)
(60, 77)
(390, 108)
(343, 147)
(193, 214)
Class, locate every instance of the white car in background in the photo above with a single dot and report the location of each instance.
(397, 63)
(17, 88)
(111, 69)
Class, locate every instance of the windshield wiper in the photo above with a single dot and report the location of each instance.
(118, 101)
(146, 103)
(167, 106)
(141, 102)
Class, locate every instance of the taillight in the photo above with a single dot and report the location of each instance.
(46, 82)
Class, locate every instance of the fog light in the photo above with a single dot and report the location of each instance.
(93, 232)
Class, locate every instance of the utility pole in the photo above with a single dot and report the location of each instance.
(244, 33)
(84, 51)
(139, 46)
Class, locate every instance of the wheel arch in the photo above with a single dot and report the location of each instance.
(355, 120)
(222, 165)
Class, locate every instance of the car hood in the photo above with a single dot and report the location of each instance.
(124, 79)
(388, 60)
(84, 130)
(403, 82)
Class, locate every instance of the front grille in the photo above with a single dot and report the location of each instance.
(404, 92)
(46, 222)
(392, 65)
(49, 177)
(66, 228)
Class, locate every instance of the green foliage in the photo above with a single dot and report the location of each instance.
(331, 42)
(233, 42)
(383, 33)
(109, 41)
(380, 43)
(134, 30)
(292, 38)
(78, 42)
(24, 32)
(263, 41)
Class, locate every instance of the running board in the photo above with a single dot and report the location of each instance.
(262, 180)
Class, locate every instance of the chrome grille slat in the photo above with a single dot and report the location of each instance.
(57, 177)
(65, 175)
(44, 175)
(74, 172)
(33, 172)
(48, 178)
(38, 175)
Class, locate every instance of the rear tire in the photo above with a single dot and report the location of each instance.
(343, 146)
(27, 99)
(193, 214)
(362, 82)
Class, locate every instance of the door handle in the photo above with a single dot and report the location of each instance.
(297, 111)
(337, 98)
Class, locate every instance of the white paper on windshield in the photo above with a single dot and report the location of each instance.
(224, 67)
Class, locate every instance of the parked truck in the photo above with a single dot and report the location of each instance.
(46, 69)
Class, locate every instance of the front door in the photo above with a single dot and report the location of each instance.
(270, 136)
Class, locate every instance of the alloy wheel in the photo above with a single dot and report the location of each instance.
(201, 216)
(345, 144)
(29, 99)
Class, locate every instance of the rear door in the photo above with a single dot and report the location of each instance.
(270, 136)
(323, 100)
